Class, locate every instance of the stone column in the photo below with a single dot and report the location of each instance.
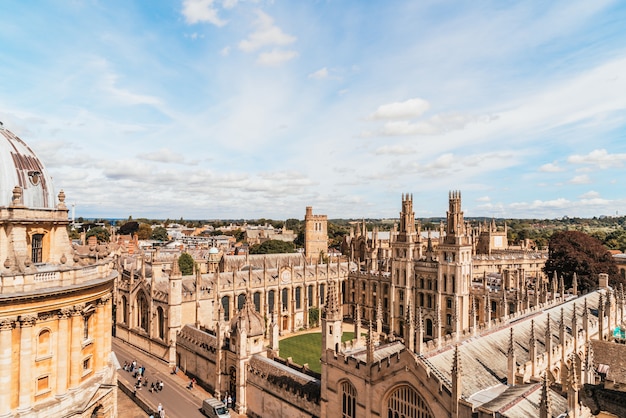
(98, 337)
(75, 347)
(106, 331)
(6, 331)
(26, 359)
(62, 353)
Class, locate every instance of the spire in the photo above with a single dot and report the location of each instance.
(510, 380)
(331, 308)
(575, 327)
(379, 316)
(590, 377)
(545, 404)
(357, 325)
(575, 284)
(175, 268)
(370, 344)
(572, 389)
(555, 285)
(419, 339)
(548, 339)
(532, 348)
(562, 288)
(457, 388)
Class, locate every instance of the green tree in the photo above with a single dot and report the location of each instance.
(101, 233)
(186, 263)
(273, 246)
(160, 234)
(572, 252)
(129, 228)
(314, 316)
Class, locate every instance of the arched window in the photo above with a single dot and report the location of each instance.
(322, 288)
(86, 327)
(348, 400)
(429, 327)
(43, 343)
(142, 311)
(37, 248)
(241, 299)
(226, 306)
(405, 402)
(298, 297)
(310, 292)
(257, 301)
(284, 298)
(124, 310)
(160, 323)
(271, 296)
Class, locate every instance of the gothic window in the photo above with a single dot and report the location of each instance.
(343, 292)
(421, 299)
(37, 248)
(161, 323)
(226, 306)
(43, 343)
(430, 302)
(401, 294)
(322, 288)
(124, 310)
(241, 299)
(401, 310)
(257, 301)
(270, 300)
(445, 282)
(448, 319)
(284, 296)
(453, 283)
(298, 297)
(494, 306)
(421, 283)
(310, 291)
(449, 303)
(142, 311)
(405, 402)
(430, 285)
(429, 327)
(348, 404)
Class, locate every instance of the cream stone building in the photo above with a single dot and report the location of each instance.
(431, 339)
(55, 300)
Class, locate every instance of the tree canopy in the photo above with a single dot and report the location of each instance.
(160, 234)
(273, 246)
(101, 233)
(185, 263)
(128, 228)
(576, 252)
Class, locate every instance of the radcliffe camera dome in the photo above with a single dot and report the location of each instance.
(19, 166)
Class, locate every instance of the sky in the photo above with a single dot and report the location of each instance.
(227, 109)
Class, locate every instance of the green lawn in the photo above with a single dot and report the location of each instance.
(307, 348)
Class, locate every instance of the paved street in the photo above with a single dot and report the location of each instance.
(177, 400)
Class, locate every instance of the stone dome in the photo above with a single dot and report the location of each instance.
(213, 250)
(19, 166)
(249, 319)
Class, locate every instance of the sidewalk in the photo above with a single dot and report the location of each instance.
(177, 400)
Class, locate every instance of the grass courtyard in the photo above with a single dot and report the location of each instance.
(307, 348)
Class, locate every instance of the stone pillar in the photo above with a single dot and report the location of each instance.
(6, 331)
(26, 360)
(76, 338)
(62, 353)
(98, 326)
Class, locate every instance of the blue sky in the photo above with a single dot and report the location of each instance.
(246, 109)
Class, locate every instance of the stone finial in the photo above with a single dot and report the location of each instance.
(545, 404)
(61, 204)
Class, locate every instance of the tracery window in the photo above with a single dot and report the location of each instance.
(405, 402)
(257, 301)
(161, 322)
(226, 306)
(348, 404)
(142, 311)
(124, 310)
(240, 301)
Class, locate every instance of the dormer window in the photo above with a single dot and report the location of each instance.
(37, 248)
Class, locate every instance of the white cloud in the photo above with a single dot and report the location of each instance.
(408, 109)
(163, 155)
(275, 57)
(225, 51)
(266, 34)
(550, 168)
(229, 4)
(109, 84)
(320, 74)
(600, 158)
(582, 179)
(591, 194)
(394, 150)
(483, 199)
(201, 11)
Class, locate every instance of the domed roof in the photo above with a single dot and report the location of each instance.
(248, 319)
(19, 166)
(213, 250)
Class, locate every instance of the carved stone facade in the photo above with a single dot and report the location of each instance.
(55, 303)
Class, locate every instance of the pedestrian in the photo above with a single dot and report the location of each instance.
(160, 385)
(159, 408)
(225, 399)
(229, 402)
(162, 413)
